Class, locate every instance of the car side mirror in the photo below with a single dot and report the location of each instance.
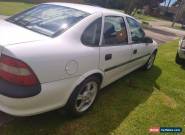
(147, 40)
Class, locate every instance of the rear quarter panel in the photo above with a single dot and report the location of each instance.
(48, 58)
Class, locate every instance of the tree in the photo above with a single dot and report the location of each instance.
(127, 5)
(177, 3)
(181, 5)
(170, 1)
(117, 4)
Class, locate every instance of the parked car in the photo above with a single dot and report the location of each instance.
(180, 57)
(183, 26)
(60, 54)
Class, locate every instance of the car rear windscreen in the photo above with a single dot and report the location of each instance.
(48, 19)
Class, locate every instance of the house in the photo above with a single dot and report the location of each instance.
(172, 11)
(152, 7)
(167, 13)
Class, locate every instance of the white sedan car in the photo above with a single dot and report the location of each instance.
(60, 54)
(180, 57)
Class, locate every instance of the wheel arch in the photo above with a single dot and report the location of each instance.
(98, 73)
(155, 51)
(155, 47)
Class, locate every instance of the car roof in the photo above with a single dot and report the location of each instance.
(88, 8)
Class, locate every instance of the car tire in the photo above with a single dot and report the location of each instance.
(178, 59)
(150, 61)
(85, 93)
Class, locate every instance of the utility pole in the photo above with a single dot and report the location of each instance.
(180, 9)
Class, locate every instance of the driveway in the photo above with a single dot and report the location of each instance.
(159, 35)
(161, 31)
(2, 17)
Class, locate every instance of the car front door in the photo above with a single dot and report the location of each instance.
(140, 50)
(115, 51)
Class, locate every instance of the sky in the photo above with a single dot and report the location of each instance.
(168, 1)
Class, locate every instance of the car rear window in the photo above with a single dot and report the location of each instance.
(48, 19)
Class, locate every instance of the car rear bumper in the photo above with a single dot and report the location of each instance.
(52, 96)
(181, 53)
(16, 91)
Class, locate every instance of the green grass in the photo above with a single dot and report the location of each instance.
(10, 8)
(145, 18)
(129, 106)
(178, 27)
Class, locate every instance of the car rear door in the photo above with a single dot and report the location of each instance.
(115, 51)
(140, 51)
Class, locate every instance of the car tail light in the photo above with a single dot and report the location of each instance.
(16, 71)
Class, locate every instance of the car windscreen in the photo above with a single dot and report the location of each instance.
(48, 19)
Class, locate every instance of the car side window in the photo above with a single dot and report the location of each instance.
(91, 35)
(115, 32)
(137, 32)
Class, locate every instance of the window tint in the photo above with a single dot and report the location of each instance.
(137, 32)
(91, 35)
(115, 32)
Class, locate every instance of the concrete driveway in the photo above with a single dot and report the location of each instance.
(161, 31)
(159, 35)
(3, 17)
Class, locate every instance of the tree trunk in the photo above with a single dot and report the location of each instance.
(180, 8)
(135, 11)
(131, 6)
(168, 5)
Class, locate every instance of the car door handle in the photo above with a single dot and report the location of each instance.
(108, 57)
(135, 51)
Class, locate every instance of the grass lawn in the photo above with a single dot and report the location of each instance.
(10, 8)
(144, 18)
(129, 106)
(178, 27)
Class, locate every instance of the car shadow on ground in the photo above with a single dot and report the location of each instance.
(183, 66)
(113, 105)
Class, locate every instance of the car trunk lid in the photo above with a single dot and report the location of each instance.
(11, 34)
